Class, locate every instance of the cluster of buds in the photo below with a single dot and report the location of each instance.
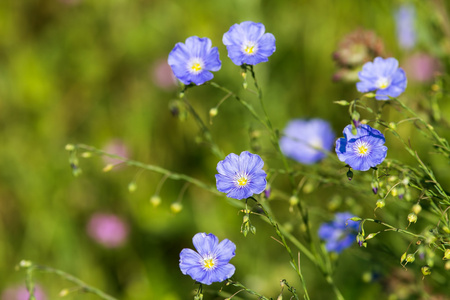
(354, 50)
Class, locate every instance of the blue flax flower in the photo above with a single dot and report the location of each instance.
(362, 150)
(241, 176)
(340, 233)
(248, 44)
(211, 261)
(405, 18)
(307, 140)
(192, 62)
(384, 76)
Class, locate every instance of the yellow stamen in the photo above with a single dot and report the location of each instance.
(196, 67)
(362, 149)
(208, 263)
(383, 83)
(249, 49)
(242, 181)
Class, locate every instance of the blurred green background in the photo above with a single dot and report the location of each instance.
(93, 72)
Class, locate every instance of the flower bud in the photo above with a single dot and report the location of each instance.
(426, 270)
(108, 168)
(155, 200)
(410, 258)
(412, 218)
(132, 186)
(64, 293)
(381, 203)
(403, 257)
(70, 147)
(267, 191)
(446, 254)
(350, 174)
(360, 240)
(417, 208)
(293, 200)
(392, 126)
(371, 235)
(86, 154)
(447, 265)
(213, 112)
(176, 207)
(245, 219)
(394, 192)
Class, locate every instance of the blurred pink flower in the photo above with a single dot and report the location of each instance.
(107, 229)
(162, 75)
(421, 67)
(117, 147)
(21, 293)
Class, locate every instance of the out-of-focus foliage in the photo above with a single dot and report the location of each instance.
(95, 72)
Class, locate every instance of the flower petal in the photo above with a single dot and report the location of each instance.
(205, 243)
(189, 259)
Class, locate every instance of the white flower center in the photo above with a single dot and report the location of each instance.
(241, 180)
(209, 262)
(361, 148)
(383, 83)
(316, 143)
(195, 65)
(250, 48)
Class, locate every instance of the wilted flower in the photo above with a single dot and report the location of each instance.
(241, 176)
(107, 229)
(405, 18)
(340, 233)
(21, 293)
(248, 44)
(363, 150)
(192, 62)
(355, 49)
(307, 140)
(211, 261)
(384, 76)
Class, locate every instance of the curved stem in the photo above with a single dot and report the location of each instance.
(169, 174)
(30, 267)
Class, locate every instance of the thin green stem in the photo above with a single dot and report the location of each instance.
(286, 246)
(205, 131)
(244, 288)
(169, 174)
(30, 267)
(392, 228)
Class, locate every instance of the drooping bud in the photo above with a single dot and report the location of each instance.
(426, 270)
(412, 218)
(213, 112)
(155, 200)
(403, 257)
(410, 258)
(293, 200)
(374, 185)
(86, 154)
(349, 174)
(108, 168)
(176, 207)
(132, 186)
(267, 191)
(417, 208)
(381, 203)
(446, 254)
(360, 240)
